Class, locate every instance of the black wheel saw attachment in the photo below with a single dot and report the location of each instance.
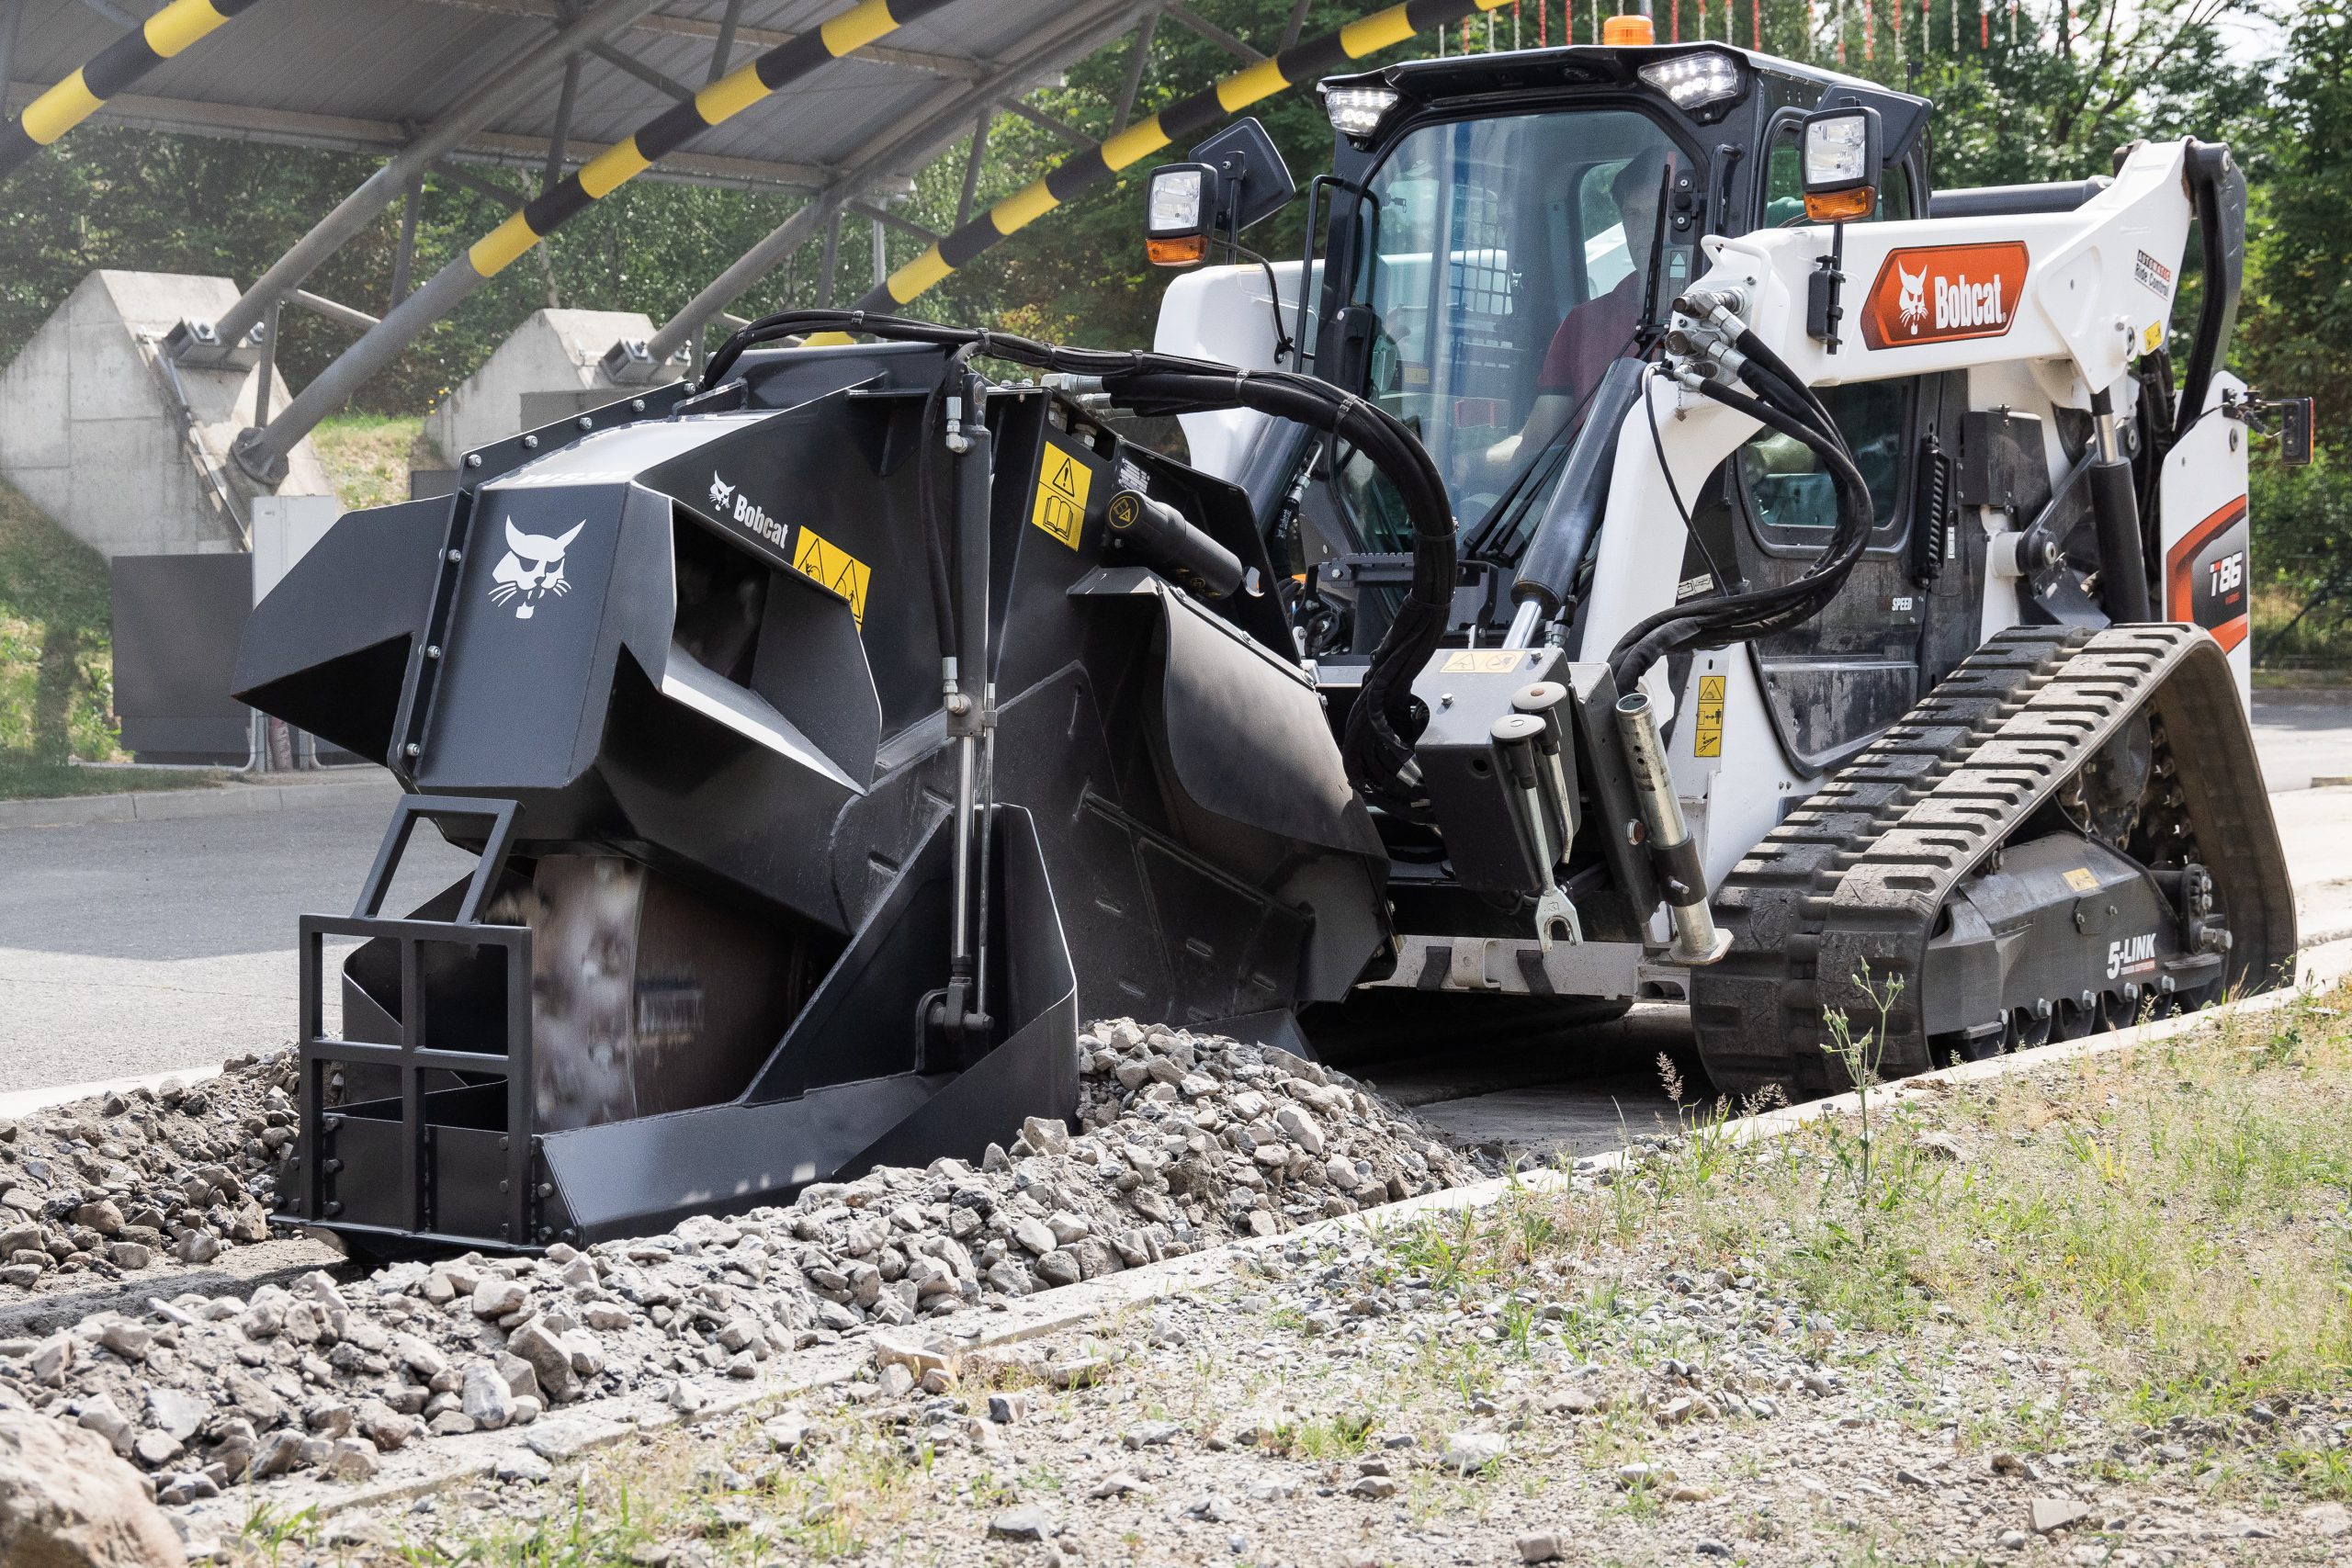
(829, 754)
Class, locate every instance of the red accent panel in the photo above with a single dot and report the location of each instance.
(2206, 577)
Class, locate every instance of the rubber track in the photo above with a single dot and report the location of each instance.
(1853, 880)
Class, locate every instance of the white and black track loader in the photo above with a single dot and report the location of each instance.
(1690, 557)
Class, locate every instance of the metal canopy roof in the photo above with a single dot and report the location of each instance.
(369, 75)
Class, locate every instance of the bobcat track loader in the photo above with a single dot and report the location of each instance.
(1655, 544)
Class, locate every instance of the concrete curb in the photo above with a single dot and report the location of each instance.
(174, 805)
(19, 1103)
(578, 1430)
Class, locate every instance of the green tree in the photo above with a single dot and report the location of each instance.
(2297, 336)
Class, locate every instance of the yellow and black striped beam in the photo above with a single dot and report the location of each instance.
(114, 67)
(1181, 120)
(728, 96)
(261, 453)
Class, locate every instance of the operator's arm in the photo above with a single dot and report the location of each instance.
(1543, 422)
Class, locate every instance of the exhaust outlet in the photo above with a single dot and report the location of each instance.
(1696, 939)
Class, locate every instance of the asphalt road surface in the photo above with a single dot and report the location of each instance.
(129, 947)
(135, 948)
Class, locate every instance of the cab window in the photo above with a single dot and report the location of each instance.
(1784, 185)
(1788, 488)
(1791, 499)
(1505, 265)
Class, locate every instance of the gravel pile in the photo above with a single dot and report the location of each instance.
(1186, 1141)
(107, 1188)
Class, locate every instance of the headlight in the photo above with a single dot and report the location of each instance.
(1357, 111)
(1693, 81)
(1836, 150)
(1175, 206)
(1840, 163)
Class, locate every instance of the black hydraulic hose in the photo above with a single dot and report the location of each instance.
(1743, 616)
(1377, 749)
(1791, 385)
(1376, 745)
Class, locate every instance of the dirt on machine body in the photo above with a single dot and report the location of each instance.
(1693, 558)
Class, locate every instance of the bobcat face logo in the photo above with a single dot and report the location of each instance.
(1912, 303)
(722, 492)
(532, 567)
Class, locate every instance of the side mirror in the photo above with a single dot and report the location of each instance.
(2296, 418)
(1255, 183)
(1841, 153)
(1236, 178)
(1179, 208)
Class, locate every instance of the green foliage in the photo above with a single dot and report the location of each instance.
(2298, 334)
(2079, 82)
(2303, 560)
(56, 666)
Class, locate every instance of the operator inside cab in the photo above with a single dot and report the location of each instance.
(1601, 328)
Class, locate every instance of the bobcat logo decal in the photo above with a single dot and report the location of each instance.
(1930, 294)
(722, 492)
(1912, 303)
(531, 568)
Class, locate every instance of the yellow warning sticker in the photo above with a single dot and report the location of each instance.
(1707, 718)
(2152, 338)
(2082, 881)
(1062, 484)
(1483, 661)
(828, 565)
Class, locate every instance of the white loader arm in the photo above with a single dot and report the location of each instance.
(2077, 294)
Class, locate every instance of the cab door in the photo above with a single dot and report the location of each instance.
(1836, 681)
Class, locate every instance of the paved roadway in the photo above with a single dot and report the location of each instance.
(133, 948)
(129, 948)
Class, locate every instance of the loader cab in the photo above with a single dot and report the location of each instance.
(1503, 227)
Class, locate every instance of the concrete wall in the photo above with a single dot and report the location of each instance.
(552, 358)
(90, 429)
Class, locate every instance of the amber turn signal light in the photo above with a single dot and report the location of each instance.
(1839, 205)
(1181, 251)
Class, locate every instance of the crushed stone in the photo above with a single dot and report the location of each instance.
(1185, 1140)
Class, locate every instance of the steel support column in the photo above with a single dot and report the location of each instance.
(724, 45)
(405, 258)
(972, 166)
(832, 258)
(559, 139)
(267, 368)
(1138, 57)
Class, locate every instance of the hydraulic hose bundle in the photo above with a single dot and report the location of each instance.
(1709, 351)
(1377, 747)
